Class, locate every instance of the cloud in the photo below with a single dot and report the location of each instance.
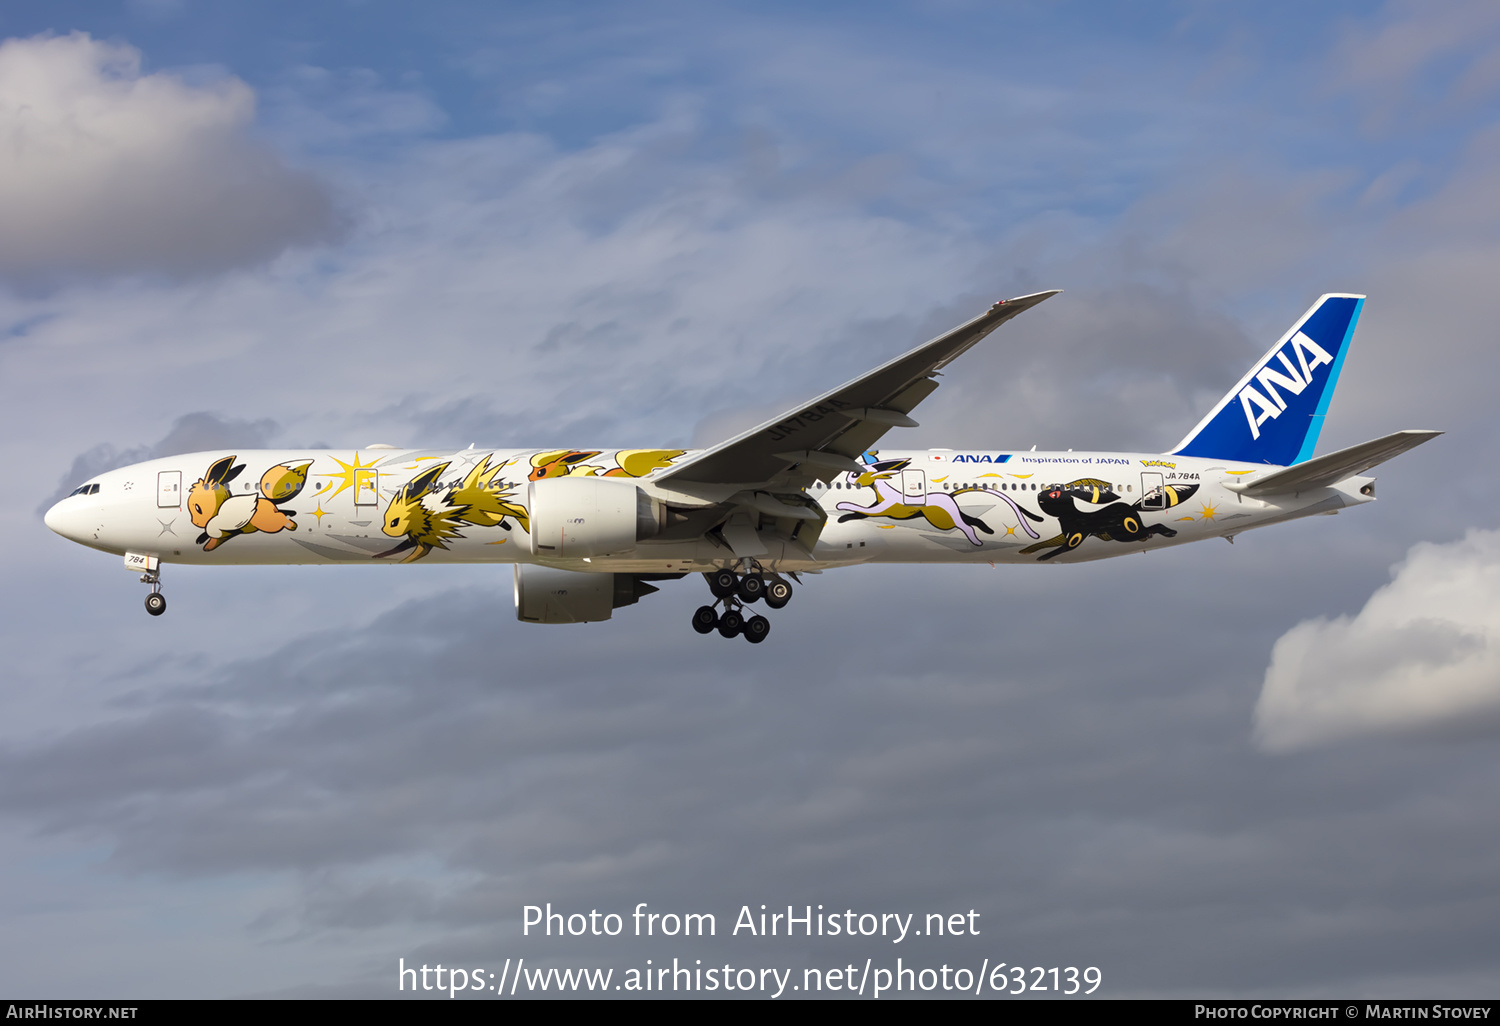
(107, 170)
(1423, 653)
(1414, 57)
(192, 432)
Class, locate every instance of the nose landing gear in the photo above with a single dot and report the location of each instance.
(734, 591)
(156, 602)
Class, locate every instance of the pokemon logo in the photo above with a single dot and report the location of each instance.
(1158, 463)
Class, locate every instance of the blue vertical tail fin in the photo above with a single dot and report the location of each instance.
(1275, 413)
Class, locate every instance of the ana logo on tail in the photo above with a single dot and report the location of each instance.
(1309, 355)
(1275, 413)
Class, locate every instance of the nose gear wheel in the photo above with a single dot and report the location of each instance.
(156, 602)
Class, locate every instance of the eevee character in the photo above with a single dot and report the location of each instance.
(428, 516)
(223, 515)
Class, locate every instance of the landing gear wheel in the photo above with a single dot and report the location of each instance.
(756, 628)
(731, 623)
(705, 619)
(778, 593)
(156, 603)
(752, 587)
(723, 583)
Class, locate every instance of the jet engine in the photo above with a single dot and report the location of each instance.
(573, 517)
(548, 595)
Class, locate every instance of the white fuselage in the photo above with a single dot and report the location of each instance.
(942, 506)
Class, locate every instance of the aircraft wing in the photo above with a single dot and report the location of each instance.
(826, 435)
(1321, 471)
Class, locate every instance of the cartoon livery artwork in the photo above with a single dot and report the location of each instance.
(589, 530)
(573, 463)
(223, 515)
(429, 513)
(1088, 506)
(901, 494)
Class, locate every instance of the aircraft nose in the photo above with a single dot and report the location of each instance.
(66, 519)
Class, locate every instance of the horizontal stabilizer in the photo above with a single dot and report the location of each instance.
(1322, 471)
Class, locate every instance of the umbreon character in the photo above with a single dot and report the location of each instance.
(1114, 521)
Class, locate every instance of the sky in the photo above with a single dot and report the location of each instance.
(1264, 769)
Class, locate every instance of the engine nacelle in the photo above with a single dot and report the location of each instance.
(573, 517)
(547, 595)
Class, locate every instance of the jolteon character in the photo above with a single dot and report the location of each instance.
(485, 500)
(223, 515)
(422, 515)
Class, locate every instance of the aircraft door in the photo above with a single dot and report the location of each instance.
(1153, 492)
(169, 489)
(366, 488)
(914, 487)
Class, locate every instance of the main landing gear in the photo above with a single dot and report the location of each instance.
(156, 602)
(734, 591)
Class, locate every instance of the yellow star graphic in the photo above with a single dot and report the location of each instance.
(1209, 511)
(320, 513)
(347, 475)
(1010, 530)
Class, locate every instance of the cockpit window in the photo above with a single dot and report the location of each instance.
(88, 489)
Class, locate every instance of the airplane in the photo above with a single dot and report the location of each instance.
(591, 530)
